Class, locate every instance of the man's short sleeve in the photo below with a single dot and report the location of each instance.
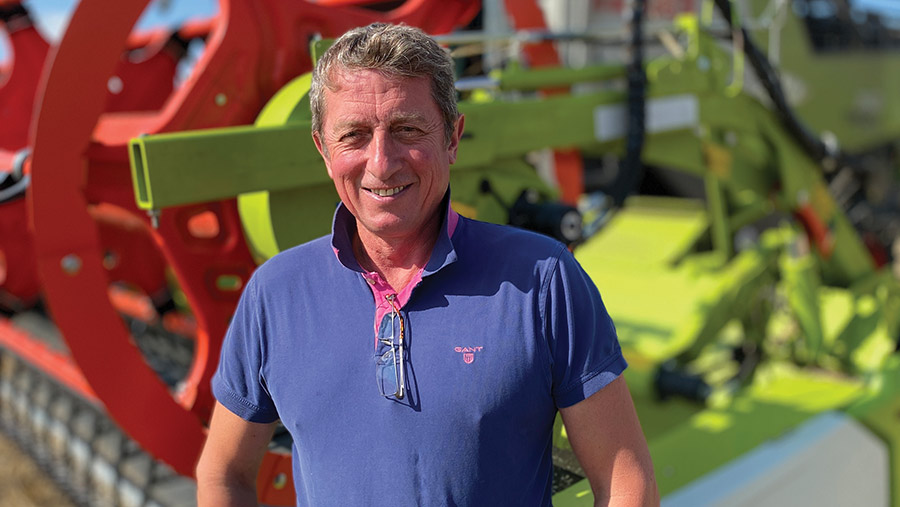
(584, 348)
(238, 383)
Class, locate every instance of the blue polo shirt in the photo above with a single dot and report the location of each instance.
(501, 328)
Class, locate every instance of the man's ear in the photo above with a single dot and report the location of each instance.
(454, 139)
(320, 146)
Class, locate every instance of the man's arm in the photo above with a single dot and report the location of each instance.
(230, 461)
(607, 439)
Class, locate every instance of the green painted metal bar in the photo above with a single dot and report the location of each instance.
(537, 79)
(208, 165)
(198, 166)
(718, 216)
(500, 130)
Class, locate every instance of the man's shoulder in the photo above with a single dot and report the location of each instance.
(512, 243)
(296, 261)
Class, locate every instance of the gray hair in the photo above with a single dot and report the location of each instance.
(394, 50)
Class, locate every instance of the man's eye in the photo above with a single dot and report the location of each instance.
(348, 136)
(406, 129)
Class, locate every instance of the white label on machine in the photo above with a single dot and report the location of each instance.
(662, 114)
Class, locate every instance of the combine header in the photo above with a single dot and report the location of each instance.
(739, 216)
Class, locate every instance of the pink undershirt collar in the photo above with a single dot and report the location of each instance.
(381, 289)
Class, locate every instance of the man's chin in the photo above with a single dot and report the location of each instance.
(386, 227)
(395, 225)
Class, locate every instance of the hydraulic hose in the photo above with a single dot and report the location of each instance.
(811, 143)
(632, 168)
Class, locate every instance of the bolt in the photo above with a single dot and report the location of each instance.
(115, 85)
(221, 99)
(71, 264)
(110, 260)
(154, 218)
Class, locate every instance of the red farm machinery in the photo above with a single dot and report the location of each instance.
(726, 171)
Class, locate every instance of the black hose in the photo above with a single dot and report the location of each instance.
(811, 143)
(632, 169)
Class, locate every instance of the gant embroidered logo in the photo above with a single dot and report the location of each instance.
(468, 353)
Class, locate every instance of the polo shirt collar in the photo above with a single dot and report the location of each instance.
(343, 227)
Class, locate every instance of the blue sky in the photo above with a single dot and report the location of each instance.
(891, 6)
(52, 15)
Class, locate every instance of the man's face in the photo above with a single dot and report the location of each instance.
(385, 149)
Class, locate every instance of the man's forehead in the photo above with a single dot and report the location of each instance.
(362, 83)
(393, 117)
(344, 76)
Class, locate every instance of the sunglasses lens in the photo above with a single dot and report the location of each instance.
(387, 355)
(386, 374)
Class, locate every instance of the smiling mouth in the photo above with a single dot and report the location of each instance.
(387, 192)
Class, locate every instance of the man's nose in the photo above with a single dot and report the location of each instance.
(383, 160)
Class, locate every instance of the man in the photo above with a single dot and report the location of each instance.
(415, 356)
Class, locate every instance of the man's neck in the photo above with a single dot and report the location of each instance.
(398, 260)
